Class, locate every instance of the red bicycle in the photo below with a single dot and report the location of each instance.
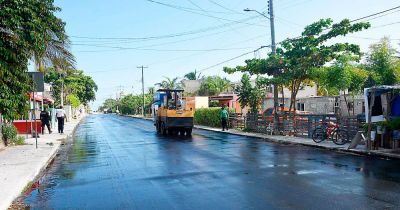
(330, 130)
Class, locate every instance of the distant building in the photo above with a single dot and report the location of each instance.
(284, 99)
(230, 100)
(191, 87)
(332, 105)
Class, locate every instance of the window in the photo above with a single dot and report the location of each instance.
(300, 106)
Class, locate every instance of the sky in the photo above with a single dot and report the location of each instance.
(110, 39)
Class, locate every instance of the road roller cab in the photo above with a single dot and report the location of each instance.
(170, 114)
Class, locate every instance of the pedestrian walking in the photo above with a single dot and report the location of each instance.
(224, 115)
(45, 119)
(60, 114)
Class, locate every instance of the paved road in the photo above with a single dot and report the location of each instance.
(121, 163)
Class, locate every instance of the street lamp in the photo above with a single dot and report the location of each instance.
(260, 13)
(273, 48)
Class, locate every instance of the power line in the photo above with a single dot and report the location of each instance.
(372, 15)
(231, 59)
(192, 11)
(389, 24)
(226, 8)
(375, 14)
(160, 44)
(373, 18)
(184, 8)
(163, 50)
(176, 58)
(168, 35)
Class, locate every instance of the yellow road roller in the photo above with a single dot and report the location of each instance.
(170, 114)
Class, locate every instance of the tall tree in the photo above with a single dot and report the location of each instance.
(249, 95)
(214, 85)
(297, 58)
(24, 30)
(344, 76)
(169, 83)
(75, 82)
(382, 63)
(194, 75)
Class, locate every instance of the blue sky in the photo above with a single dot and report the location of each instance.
(111, 38)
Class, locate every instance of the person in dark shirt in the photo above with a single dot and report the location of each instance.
(45, 118)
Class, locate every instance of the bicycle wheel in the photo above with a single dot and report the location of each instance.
(318, 135)
(339, 137)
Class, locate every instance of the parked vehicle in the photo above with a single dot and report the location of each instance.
(329, 130)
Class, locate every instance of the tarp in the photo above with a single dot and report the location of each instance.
(378, 91)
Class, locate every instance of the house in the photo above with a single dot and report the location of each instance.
(332, 105)
(318, 104)
(284, 99)
(196, 102)
(26, 124)
(230, 100)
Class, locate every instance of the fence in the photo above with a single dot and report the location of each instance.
(297, 125)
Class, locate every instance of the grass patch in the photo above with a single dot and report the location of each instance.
(50, 143)
(27, 187)
(20, 140)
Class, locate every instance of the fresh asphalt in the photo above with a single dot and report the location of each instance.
(121, 163)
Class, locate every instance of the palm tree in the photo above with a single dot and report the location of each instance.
(169, 83)
(56, 54)
(194, 75)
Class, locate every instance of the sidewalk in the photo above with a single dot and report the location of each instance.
(329, 145)
(19, 165)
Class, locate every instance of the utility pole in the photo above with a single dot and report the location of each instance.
(142, 67)
(273, 48)
(62, 89)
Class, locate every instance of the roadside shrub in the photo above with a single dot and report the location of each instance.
(208, 116)
(20, 140)
(9, 133)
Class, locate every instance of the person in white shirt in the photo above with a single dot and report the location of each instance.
(179, 103)
(60, 114)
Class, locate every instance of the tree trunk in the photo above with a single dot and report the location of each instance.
(283, 96)
(345, 101)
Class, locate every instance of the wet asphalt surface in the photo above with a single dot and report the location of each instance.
(121, 163)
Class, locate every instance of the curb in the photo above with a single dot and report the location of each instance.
(54, 152)
(51, 159)
(271, 140)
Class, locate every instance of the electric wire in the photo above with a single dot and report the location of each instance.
(202, 30)
(191, 11)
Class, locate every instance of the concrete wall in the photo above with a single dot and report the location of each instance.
(358, 102)
(201, 102)
(191, 86)
(318, 105)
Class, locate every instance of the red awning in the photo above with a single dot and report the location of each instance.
(39, 98)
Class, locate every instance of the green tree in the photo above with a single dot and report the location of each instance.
(109, 104)
(297, 58)
(75, 82)
(249, 95)
(169, 83)
(25, 28)
(214, 85)
(382, 64)
(73, 101)
(194, 75)
(342, 76)
(310, 51)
